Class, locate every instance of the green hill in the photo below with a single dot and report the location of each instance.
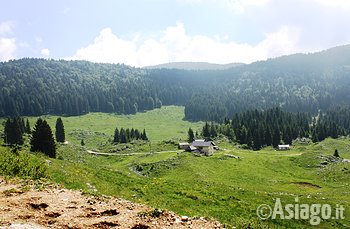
(300, 82)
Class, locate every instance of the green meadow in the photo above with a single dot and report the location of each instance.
(228, 186)
(97, 129)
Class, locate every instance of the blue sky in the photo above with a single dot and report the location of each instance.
(148, 32)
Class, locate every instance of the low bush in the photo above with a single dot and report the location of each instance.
(22, 165)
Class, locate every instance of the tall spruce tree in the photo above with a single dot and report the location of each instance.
(28, 130)
(144, 135)
(206, 131)
(13, 134)
(123, 138)
(60, 135)
(42, 139)
(116, 137)
(127, 134)
(137, 134)
(336, 153)
(190, 135)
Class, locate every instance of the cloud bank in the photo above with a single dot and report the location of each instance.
(8, 44)
(173, 44)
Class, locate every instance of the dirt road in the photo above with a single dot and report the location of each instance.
(131, 154)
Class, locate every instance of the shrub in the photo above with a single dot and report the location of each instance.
(22, 165)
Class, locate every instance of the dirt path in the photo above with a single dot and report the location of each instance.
(131, 154)
(22, 206)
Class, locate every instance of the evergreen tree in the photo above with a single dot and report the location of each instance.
(42, 139)
(213, 132)
(13, 134)
(137, 134)
(276, 137)
(127, 134)
(132, 133)
(336, 153)
(122, 136)
(82, 143)
(28, 130)
(190, 135)
(60, 135)
(206, 130)
(21, 124)
(144, 135)
(116, 137)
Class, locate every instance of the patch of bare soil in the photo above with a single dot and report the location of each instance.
(23, 206)
(307, 184)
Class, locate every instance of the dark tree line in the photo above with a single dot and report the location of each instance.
(332, 123)
(41, 139)
(257, 128)
(127, 135)
(296, 83)
(34, 87)
(274, 126)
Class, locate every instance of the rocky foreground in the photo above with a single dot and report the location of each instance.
(29, 205)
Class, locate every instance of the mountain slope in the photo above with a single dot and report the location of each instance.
(194, 66)
(300, 82)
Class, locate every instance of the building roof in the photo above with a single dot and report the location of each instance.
(283, 146)
(201, 143)
(184, 144)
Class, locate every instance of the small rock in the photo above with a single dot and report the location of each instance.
(184, 218)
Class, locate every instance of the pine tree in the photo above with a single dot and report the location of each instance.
(206, 130)
(60, 135)
(42, 139)
(122, 135)
(28, 130)
(116, 138)
(127, 134)
(336, 153)
(21, 125)
(144, 135)
(276, 137)
(13, 134)
(132, 133)
(213, 132)
(82, 143)
(137, 134)
(190, 135)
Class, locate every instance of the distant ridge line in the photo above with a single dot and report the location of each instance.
(194, 66)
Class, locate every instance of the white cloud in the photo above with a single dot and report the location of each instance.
(174, 45)
(109, 48)
(45, 52)
(7, 48)
(8, 45)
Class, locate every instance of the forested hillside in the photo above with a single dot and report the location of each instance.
(37, 86)
(300, 82)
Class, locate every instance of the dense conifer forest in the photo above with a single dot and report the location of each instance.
(257, 129)
(297, 83)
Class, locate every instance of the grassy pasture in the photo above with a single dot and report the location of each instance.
(220, 186)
